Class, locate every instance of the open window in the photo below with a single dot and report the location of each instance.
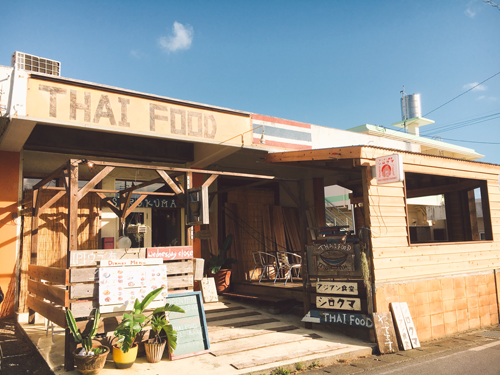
(447, 209)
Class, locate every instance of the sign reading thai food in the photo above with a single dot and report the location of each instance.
(121, 282)
(330, 259)
(389, 169)
(348, 319)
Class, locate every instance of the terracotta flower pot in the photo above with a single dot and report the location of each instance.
(125, 360)
(154, 351)
(90, 365)
(222, 280)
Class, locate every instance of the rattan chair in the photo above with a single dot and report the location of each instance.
(264, 261)
(287, 264)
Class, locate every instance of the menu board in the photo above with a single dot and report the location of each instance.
(121, 283)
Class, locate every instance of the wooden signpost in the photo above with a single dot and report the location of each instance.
(191, 326)
(208, 290)
(412, 332)
(348, 319)
(401, 330)
(333, 259)
(384, 331)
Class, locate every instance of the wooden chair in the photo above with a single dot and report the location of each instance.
(287, 263)
(263, 261)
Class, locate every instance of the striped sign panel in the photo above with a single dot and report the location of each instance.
(281, 133)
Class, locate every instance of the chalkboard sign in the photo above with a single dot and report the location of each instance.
(191, 326)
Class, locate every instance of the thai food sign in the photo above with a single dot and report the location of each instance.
(389, 169)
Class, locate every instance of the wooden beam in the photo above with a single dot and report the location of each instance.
(52, 293)
(51, 201)
(59, 276)
(47, 310)
(50, 177)
(442, 189)
(124, 202)
(172, 169)
(111, 206)
(116, 191)
(209, 180)
(180, 185)
(73, 207)
(134, 205)
(92, 183)
(169, 181)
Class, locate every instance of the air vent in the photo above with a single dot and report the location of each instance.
(37, 64)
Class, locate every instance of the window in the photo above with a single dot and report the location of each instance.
(447, 209)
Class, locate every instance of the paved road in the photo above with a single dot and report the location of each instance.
(470, 353)
(484, 360)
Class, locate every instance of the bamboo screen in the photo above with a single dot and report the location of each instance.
(53, 236)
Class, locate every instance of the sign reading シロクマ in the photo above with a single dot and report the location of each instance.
(125, 111)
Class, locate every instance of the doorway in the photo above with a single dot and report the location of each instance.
(166, 228)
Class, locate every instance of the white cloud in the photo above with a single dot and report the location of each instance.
(181, 38)
(470, 13)
(488, 98)
(478, 88)
(136, 53)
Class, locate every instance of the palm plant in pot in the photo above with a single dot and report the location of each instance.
(125, 349)
(220, 265)
(88, 360)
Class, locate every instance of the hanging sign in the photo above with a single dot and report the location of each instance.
(171, 252)
(389, 169)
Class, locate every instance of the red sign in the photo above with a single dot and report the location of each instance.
(170, 253)
(389, 169)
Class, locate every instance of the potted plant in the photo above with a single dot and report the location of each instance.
(88, 360)
(220, 265)
(156, 345)
(125, 350)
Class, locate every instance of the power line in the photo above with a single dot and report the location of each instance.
(461, 124)
(465, 92)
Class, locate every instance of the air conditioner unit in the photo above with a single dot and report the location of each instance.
(37, 64)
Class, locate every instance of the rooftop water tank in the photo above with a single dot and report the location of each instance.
(410, 106)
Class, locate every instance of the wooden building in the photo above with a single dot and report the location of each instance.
(451, 281)
(265, 192)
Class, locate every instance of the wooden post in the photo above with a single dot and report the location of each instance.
(302, 236)
(69, 342)
(366, 180)
(34, 241)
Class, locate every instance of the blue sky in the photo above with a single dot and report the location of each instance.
(332, 63)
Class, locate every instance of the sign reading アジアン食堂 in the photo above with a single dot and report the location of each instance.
(139, 113)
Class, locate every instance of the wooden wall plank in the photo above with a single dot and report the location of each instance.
(55, 294)
(55, 275)
(79, 275)
(404, 262)
(442, 248)
(47, 310)
(382, 242)
(394, 274)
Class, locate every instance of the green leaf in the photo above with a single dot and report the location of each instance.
(171, 337)
(72, 326)
(97, 316)
(149, 298)
(169, 307)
